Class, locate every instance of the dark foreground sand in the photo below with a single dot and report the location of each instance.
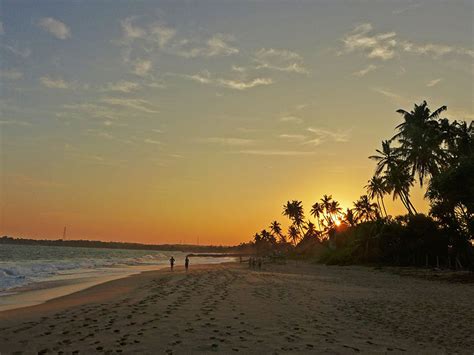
(229, 308)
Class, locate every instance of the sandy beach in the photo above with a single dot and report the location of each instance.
(228, 308)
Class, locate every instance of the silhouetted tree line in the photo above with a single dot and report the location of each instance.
(244, 247)
(433, 151)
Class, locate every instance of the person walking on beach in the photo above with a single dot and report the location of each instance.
(172, 263)
(186, 263)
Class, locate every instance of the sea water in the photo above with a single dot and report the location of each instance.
(22, 265)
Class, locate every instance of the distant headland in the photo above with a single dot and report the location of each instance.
(123, 245)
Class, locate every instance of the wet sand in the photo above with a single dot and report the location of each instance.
(229, 308)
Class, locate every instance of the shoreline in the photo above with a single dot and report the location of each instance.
(43, 291)
(297, 307)
(64, 284)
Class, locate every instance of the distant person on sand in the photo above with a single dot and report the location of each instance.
(259, 263)
(172, 263)
(186, 263)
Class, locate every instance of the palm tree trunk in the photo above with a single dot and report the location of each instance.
(383, 205)
(379, 205)
(407, 206)
(411, 204)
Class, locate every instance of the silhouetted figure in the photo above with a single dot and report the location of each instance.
(171, 263)
(186, 263)
(259, 263)
(250, 262)
(253, 262)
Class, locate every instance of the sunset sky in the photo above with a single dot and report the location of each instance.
(169, 121)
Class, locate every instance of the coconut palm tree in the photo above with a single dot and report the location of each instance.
(399, 180)
(275, 227)
(267, 237)
(294, 211)
(376, 189)
(326, 202)
(396, 174)
(257, 238)
(421, 139)
(334, 210)
(387, 157)
(311, 231)
(365, 210)
(350, 218)
(293, 234)
(316, 212)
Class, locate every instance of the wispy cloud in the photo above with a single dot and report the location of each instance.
(406, 8)
(434, 82)
(152, 141)
(230, 141)
(281, 60)
(321, 135)
(158, 36)
(291, 118)
(91, 110)
(11, 74)
(22, 52)
(14, 123)
(276, 152)
(380, 46)
(136, 104)
(55, 27)
(365, 70)
(244, 84)
(389, 94)
(122, 86)
(155, 33)
(293, 137)
(54, 83)
(218, 45)
(387, 45)
(141, 67)
(2, 29)
(237, 84)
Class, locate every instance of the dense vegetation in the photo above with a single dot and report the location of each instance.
(243, 248)
(434, 152)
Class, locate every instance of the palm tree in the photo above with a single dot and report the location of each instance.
(387, 157)
(257, 238)
(326, 202)
(267, 237)
(293, 234)
(399, 180)
(275, 227)
(421, 139)
(365, 210)
(316, 212)
(311, 231)
(396, 174)
(350, 218)
(376, 188)
(294, 211)
(334, 210)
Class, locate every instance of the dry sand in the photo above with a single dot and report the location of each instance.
(229, 308)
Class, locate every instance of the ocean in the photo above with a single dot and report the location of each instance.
(27, 265)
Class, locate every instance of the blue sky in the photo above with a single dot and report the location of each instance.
(150, 109)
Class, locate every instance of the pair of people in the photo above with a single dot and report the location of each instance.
(186, 263)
